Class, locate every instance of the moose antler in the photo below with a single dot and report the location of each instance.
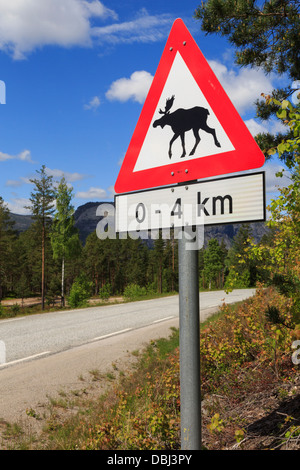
(169, 104)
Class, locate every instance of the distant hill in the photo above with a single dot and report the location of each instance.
(22, 222)
(86, 221)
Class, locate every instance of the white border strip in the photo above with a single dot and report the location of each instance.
(24, 359)
(111, 334)
(163, 319)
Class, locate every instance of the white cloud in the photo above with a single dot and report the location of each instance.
(17, 206)
(93, 104)
(144, 28)
(5, 156)
(96, 8)
(13, 183)
(28, 24)
(274, 182)
(70, 177)
(244, 86)
(272, 126)
(57, 175)
(92, 193)
(134, 88)
(24, 156)
(111, 191)
(256, 127)
(20, 181)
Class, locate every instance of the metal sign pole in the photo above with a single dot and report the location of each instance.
(189, 342)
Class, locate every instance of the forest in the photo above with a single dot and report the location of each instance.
(50, 261)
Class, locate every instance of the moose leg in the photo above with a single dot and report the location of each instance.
(183, 145)
(197, 137)
(211, 131)
(175, 136)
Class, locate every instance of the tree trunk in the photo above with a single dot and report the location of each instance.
(159, 278)
(43, 268)
(63, 282)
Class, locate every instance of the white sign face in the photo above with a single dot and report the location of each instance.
(220, 201)
(185, 94)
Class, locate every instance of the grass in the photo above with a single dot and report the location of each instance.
(135, 408)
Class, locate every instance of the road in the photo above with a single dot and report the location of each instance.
(39, 335)
(44, 353)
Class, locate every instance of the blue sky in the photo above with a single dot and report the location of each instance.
(77, 73)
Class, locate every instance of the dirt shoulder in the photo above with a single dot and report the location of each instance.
(32, 301)
(28, 390)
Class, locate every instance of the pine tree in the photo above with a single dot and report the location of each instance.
(213, 263)
(7, 237)
(42, 208)
(238, 261)
(266, 35)
(158, 258)
(171, 263)
(29, 258)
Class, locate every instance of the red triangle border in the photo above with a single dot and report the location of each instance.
(246, 156)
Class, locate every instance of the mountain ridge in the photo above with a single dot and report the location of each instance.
(86, 221)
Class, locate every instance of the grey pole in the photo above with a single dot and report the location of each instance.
(189, 343)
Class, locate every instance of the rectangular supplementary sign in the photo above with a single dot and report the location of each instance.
(219, 201)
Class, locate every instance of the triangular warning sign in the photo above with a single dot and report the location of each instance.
(188, 128)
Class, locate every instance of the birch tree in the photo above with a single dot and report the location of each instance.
(64, 235)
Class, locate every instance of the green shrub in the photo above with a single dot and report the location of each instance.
(105, 291)
(246, 334)
(237, 281)
(80, 292)
(15, 309)
(134, 291)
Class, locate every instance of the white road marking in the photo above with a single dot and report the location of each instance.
(24, 359)
(111, 334)
(12, 319)
(163, 319)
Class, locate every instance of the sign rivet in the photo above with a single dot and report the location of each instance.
(186, 171)
(171, 48)
(172, 173)
(184, 43)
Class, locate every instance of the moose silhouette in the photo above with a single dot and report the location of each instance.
(183, 120)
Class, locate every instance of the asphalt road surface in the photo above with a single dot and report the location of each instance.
(45, 353)
(39, 335)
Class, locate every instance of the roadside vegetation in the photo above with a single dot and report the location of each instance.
(247, 377)
(249, 387)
